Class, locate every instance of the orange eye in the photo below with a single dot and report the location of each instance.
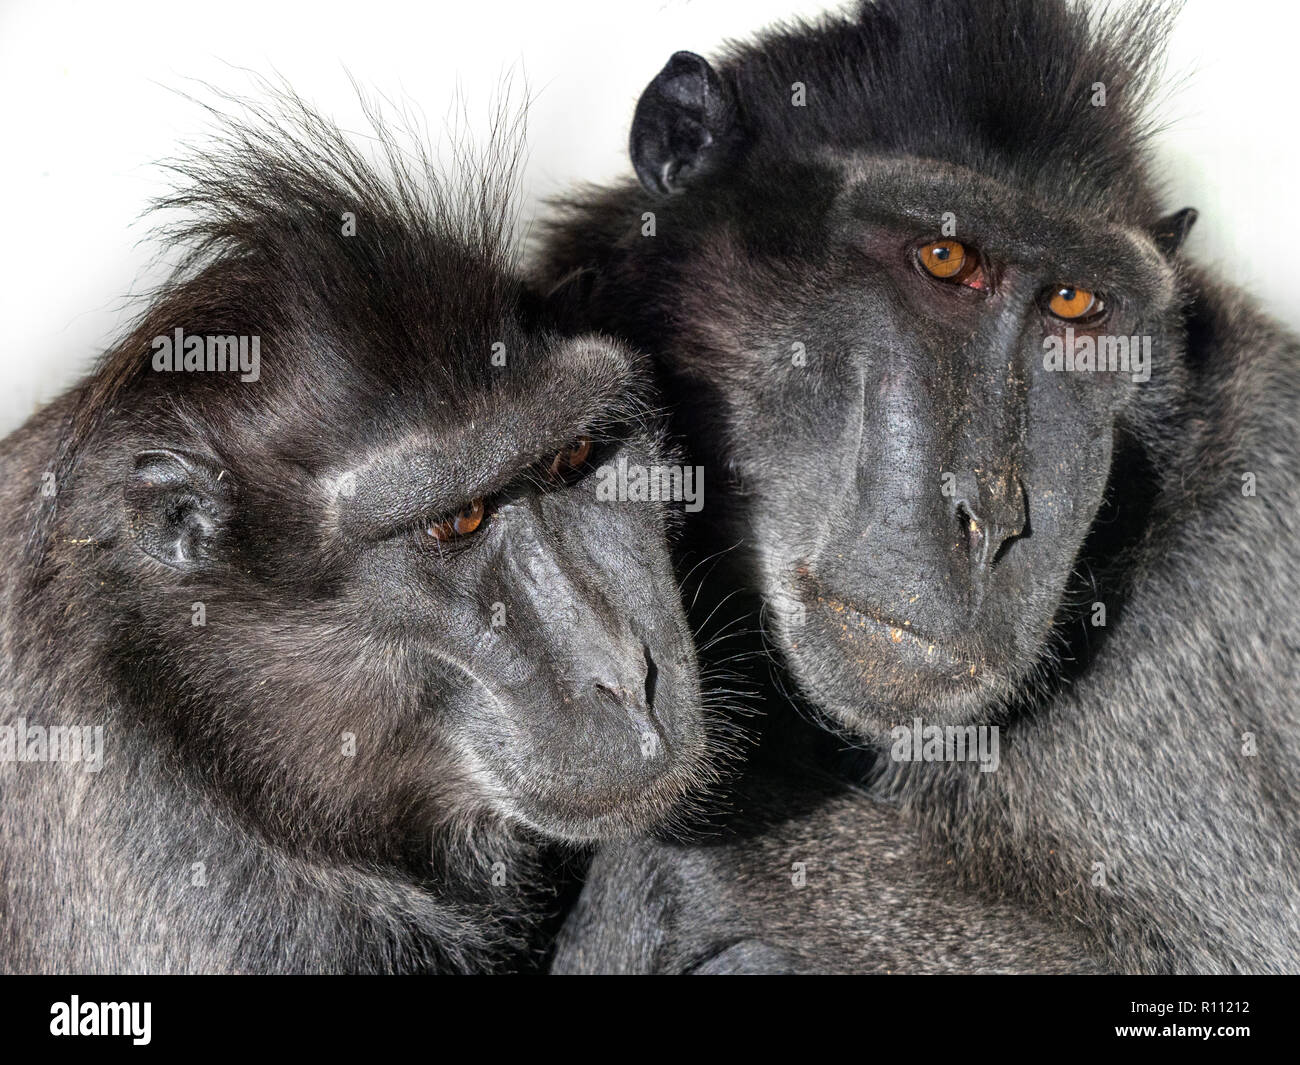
(463, 523)
(943, 258)
(1072, 303)
(949, 260)
(571, 458)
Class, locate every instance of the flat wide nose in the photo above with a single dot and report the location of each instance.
(990, 517)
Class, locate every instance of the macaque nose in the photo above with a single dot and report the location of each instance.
(991, 521)
(631, 692)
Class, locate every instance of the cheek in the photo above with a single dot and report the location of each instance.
(791, 421)
(1068, 488)
(1091, 491)
(468, 703)
(803, 487)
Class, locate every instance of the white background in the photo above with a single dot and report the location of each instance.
(89, 102)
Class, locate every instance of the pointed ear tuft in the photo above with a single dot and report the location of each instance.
(1172, 230)
(684, 124)
(177, 506)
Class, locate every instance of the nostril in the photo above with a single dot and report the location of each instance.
(651, 678)
(997, 533)
(971, 528)
(1019, 529)
(1007, 541)
(965, 516)
(630, 697)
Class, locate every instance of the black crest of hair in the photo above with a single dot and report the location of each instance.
(259, 209)
(323, 750)
(1128, 807)
(1005, 88)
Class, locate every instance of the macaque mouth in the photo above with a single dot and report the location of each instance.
(863, 615)
(917, 648)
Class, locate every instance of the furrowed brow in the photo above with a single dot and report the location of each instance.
(484, 450)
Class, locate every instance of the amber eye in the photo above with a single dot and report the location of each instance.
(949, 260)
(943, 258)
(1072, 303)
(464, 523)
(571, 458)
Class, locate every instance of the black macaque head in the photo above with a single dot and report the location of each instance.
(372, 592)
(877, 246)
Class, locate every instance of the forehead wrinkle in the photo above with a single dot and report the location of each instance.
(993, 203)
(480, 448)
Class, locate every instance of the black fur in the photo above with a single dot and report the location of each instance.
(814, 877)
(229, 828)
(1126, 805)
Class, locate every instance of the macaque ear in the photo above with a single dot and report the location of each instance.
(1172, 230)
(177, 506)
(684, 123)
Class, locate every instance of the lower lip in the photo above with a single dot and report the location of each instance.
(915, 648)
